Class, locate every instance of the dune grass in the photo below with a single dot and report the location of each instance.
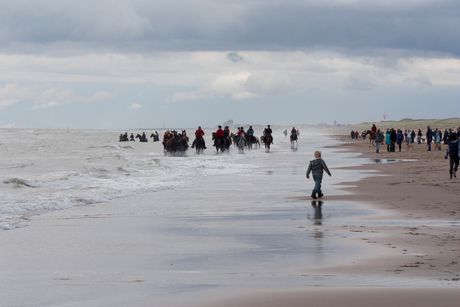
(408, 123)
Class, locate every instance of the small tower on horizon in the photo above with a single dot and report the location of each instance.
(385, 117)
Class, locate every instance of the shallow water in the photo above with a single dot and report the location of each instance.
(46, 170)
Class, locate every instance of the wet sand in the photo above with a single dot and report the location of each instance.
(415, 236)
(269, 245)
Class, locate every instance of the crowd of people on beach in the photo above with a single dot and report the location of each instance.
(393, 137)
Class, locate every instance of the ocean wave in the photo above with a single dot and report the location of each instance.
(71, 169)
(19, 183)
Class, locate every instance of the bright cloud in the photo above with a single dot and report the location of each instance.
(135, 106)
(8, 125)
(13, 93)
(241, 75)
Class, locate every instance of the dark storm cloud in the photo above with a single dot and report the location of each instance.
(180, 25)
(235, 57)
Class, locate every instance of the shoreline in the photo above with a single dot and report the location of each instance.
(416, 237)
(421, 222)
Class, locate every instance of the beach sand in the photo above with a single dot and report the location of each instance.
(417, 235)
(256, 247)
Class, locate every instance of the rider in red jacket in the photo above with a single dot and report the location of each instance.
(220, 132)
(199, 133)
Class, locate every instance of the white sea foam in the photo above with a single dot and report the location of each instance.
(44, 170)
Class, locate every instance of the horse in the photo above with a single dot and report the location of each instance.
(240, 143)
(371, 137)
(233, 137)
(256, 141)
(184, 135)
(124, 137)
(220, 143)
(141, 139)
(199, 144)
(267, 140)
(249, 141)
(294, 143)
(182, 143)
(155, 137)
(170, 146)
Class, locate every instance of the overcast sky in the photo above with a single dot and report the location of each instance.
(120, 64)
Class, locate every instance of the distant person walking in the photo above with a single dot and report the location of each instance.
(316, 167)
(429, 137)
(452, 152)
(387, 139)
(392, 139)
(399, 138)
(378, 140)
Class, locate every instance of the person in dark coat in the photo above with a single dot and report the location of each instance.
(392, 140)
(452, 152)
(429, 137)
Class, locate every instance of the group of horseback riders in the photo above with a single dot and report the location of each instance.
(142, 138)
(174, 141)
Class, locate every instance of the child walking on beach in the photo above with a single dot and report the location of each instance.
(317, 167)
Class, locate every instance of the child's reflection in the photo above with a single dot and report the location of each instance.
(316, 204)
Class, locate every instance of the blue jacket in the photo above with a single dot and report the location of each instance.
(399, 137)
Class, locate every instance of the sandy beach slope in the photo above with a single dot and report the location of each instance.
(416, 237)
(421, 225)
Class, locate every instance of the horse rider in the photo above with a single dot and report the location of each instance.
(250, 132)
(176, 136)
(227, 134)
(293, 131)
(199, 133)
(131, 137)
(220, 133)
(144, 137)
(240, 133)
(268, 131)
(166, 138)
(125, 136)
(374, 128)
(121, 137)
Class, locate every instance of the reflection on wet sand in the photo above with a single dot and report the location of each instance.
(317, 204)
(318, 215)
(318, 235)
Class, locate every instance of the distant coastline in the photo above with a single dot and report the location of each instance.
(408, 123)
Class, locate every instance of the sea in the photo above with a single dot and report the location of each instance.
(53, 169)
(43, 170)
